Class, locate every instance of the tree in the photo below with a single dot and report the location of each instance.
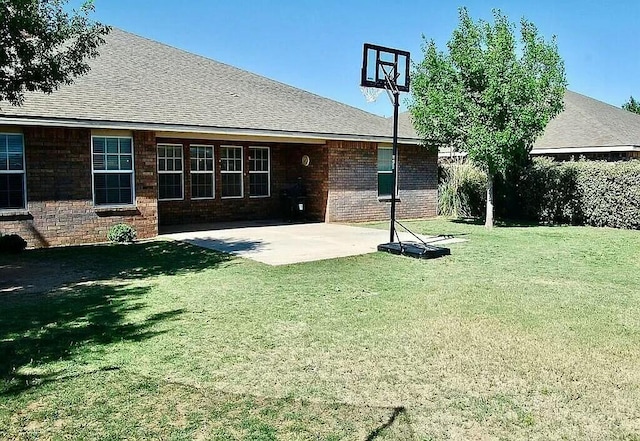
(489, 95)
(43, 46)
(632, 106)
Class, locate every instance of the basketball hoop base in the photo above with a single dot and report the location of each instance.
(414, 249)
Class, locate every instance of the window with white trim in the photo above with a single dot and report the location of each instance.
(12, 171)
(259, 172)
(385, 172)
(170, 176)
(231, 171)
(112, 167)
(202, 177)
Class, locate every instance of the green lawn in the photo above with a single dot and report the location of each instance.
(525, 332)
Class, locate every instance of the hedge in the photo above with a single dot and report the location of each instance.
(610, 194)
(581, 193)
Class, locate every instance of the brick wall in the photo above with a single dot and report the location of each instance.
(286, 168)
(353, 183)
(341, 183)
(60, 209)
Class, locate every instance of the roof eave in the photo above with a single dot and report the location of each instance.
(592, 149)
(210, 130)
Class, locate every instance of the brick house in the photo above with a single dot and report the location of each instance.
(156, 136)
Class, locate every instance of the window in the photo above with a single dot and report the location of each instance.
(12, 176)
(169, 172)
(231, 171)
(112, 166)
(385, 172)
(202, 182)
(259, 179)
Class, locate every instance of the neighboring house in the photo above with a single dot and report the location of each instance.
(590, 128)
(157, 136)
(586, 128)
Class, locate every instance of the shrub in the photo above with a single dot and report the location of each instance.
(12, 244)
(121, 233)
(548, 192)
(584, 192)
(610, 193)
(461, 192)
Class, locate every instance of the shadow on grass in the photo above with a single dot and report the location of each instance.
(500, 223)
(160, 409)
(397, 411)
(43, 270)
(57, 304)
(61, 326)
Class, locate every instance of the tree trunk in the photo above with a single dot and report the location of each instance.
(488, 223)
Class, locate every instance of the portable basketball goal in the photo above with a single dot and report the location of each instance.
(387, 69)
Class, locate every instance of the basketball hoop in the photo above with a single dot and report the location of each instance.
(387, 69)
(371, 94)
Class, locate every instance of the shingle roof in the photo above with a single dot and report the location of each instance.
(137, 81)
(585, 123)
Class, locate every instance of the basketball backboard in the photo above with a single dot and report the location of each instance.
(385, 68)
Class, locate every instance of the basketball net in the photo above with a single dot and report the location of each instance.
(371, 94)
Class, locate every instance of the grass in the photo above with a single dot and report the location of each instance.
(525, 332)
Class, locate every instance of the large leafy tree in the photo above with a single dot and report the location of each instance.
(632, 105)
(43, 45)
(489, 95)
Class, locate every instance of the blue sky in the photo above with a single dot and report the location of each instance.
(317, 45)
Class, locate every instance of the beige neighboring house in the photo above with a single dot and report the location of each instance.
(586, 128)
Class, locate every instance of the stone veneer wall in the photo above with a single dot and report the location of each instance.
(60, 208)
(353, 183)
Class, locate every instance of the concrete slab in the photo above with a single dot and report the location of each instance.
(282, 244)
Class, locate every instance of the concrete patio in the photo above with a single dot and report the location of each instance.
(283, 244)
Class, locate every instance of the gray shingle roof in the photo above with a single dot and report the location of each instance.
(140, 81)
(585, 123)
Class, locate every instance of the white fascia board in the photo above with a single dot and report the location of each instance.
(615, 148)
(228, 131)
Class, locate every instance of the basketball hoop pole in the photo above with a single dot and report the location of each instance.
(394, 160)
(387, 69)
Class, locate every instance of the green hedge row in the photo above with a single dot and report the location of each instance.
(582, 193)
(602, 194)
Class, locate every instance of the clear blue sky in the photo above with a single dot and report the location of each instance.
(317, 45)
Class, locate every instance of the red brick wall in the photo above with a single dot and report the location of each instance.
(59, 195)
(341, 182)
(353, 183)
(286, 168)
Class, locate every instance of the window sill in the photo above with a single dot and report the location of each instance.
(387, 199)
(116, 210)
(15, 214)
